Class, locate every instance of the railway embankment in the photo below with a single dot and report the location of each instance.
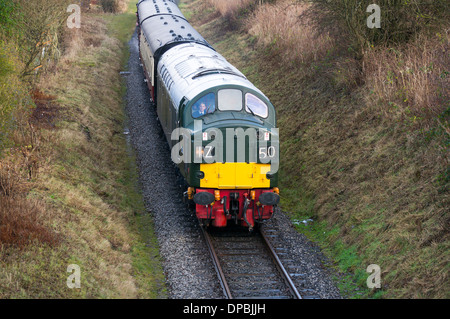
(72, 220)
(364, 133)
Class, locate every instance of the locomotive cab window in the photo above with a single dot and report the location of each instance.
(255, 106)
(204, 105)
(229, 100)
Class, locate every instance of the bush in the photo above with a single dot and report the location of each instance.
(108, 5)
(6, 15)
(400, 20)
(113, 6)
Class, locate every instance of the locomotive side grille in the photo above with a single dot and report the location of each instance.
(190, 67)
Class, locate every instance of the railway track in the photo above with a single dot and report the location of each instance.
(249, 266)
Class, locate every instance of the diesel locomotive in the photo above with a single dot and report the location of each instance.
(221, 128)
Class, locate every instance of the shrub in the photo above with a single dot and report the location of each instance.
(400, 20)
(113, 6)
(6, 15)
(108, 5)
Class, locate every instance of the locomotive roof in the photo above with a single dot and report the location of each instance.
(174, 1)
(190, 69)
(164, 26)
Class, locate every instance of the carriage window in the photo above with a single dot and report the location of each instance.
(255, 106)
(230, 100)
(204, 105)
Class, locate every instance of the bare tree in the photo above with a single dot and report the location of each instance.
(39, 31)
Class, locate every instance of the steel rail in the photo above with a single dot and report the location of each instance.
(276, 260)
(216, 262)
(280, 266)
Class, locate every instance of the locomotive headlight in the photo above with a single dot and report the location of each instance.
(200, 175)
(199, 152)
(204, 152)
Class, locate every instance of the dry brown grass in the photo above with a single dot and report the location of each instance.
(21, 223)
(287, 30)
(23, 220)
(230, 8)
(411, 80)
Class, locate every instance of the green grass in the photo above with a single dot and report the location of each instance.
(147, 267)
(147, 264)
(122, 25)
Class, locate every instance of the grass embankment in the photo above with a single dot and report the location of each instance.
(364, 140)
(81, 194)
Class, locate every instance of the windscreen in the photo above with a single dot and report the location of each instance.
(230, 100)
(255, 106)
(204, 105)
